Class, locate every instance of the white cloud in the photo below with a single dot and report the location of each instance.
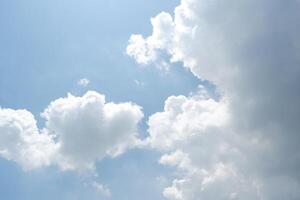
(21, 141)
(88, 129)
(78, 132)
(250, 51)
(138, 49)
(185, 117)
(83, 82)
(196, 137)
(194, 134)
(145, 50)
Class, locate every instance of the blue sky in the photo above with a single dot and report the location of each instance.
(46, 47)
(221, 123)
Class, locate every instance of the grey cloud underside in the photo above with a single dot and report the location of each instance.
(251, 51)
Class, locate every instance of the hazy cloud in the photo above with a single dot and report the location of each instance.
(83, 82)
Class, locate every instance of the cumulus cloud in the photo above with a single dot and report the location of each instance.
(183, 118)
(21, 141)
(88, 129)
(78, 131)
(245, 145)
(146, 50)
(196, 138)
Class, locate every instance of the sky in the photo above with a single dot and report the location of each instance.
(161, 99)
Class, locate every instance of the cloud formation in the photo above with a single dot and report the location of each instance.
(78, 131)
(22, 142)
(245, 145)
(88, 129)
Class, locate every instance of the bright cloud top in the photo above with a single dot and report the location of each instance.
(245, 145)
(78, 132)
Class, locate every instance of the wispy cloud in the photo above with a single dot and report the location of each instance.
(83, 82)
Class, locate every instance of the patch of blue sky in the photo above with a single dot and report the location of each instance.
(46, 47)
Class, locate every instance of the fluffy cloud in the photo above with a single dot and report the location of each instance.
(78, 131)
(87, 128)
(195, 136)
(144, 50)
(21, 141)
(198, 137)
(244, 146)
(185, 117)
